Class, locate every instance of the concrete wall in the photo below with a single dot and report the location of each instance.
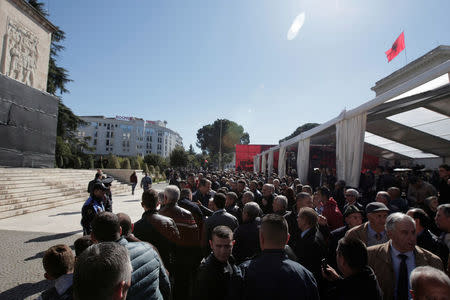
(123, 175)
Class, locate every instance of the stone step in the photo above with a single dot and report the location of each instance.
(32, 197)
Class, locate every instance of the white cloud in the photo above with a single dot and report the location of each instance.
(296, 26)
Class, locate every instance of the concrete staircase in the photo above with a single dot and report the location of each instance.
(25, 190)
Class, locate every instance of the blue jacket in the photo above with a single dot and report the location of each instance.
(272, 275)
(149, 279)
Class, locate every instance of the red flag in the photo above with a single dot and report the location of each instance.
(397, 47)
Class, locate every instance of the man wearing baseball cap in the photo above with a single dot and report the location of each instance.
(372, 232)
(92, 207)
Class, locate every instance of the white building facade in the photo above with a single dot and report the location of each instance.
(128, 136)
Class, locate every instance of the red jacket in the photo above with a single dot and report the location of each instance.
(333, 214)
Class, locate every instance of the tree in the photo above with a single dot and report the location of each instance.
(191, 150)
(135, 164)
(57, 79)
(208, 137)
(303, 128)
(113, 162)
(178, 158)
(145, 168)
(126, 164)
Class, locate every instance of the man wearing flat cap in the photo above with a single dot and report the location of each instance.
(92, 207)
(372, 232)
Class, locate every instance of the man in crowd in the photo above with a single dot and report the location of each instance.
(426, 239)
(247, 197)
(267, 198)
(58, 262)
(146, 182)
(351, 198)
(186, 203)
(217, 272)
(158, 230)
(443, 223)
(330, 209)
(241, 188)
(92, 207)
(231, 205)
(272, 275)
(394, 260)
(149, 278)
(444, 184)
(191, 184)
(188, 250)
(310, 246)
(204, 192)
(97, 179)
(353, 218)
(358, 278)
(279, 205)
(247, 234)
(127, 228)
(429, 283)
(254, 189)
(397, 203)
(373, 231)
(302, 200)
(218, 218)
(418, 190)
(102, 271)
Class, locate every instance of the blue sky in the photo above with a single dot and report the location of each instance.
(191, 62)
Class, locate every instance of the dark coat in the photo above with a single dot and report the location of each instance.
(204, 199)
(215, 279)
(160, 231)
(218, 218)
(310, 250)
(430, 242)
(361, 285)
(149, 279)
(235, 211)
(272, 275)
(266, 204)
(247, 240)
(335, 236)
(195, 211)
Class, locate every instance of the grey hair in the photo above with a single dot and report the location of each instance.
(282, 200)
(161, 197)
(395, 218)
(270, 186)
(445, 209)
(252, 210)
(172, 192)
(250, 194)
(385, 195)
(353, 192)
(427, 273)
(99, 269)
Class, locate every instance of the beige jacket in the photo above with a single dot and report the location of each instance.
(380, 261)
(359, 232)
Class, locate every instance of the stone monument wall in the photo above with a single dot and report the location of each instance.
(25, 39)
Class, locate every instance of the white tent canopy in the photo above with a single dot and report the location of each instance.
(410, 120)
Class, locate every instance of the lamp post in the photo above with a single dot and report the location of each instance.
(220, 146)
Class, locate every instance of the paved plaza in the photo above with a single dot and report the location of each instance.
(26, 237)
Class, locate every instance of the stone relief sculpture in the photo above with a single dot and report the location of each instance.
(21, 53)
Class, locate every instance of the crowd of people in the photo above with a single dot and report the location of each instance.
(243, 235)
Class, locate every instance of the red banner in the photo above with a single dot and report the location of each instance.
(245, 154)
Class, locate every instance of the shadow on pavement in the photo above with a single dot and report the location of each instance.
(46, 238)
(137, 200)
(25, 290)
(67, 213)
(41, 255)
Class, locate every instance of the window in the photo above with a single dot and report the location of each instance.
(107, 134)
(112, 134)
(107, 142)
(159, 147)
(159, 140)
(96, 134)
(95, 142)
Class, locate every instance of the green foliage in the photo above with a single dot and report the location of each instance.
(208, 138)
(77, 162)
(191, 150)
(145, 168)
(90, 163)
(113, 162)
(126, 164)
(157, 170)
(135, 163)
(178, 158)
(153, 159)
(60, 161)
(151, 169)
(303, 128)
